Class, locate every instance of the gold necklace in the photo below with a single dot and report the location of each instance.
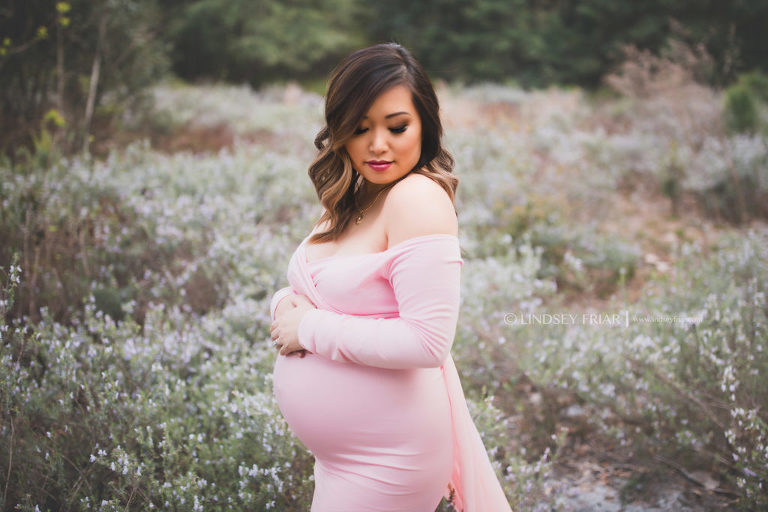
(360, 213)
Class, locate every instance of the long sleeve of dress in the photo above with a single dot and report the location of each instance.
(277, 297)
(425, 278)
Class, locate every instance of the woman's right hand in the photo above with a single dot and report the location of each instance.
(285, 304)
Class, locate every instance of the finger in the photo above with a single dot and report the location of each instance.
(307, 299)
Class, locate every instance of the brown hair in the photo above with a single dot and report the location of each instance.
(354, 86)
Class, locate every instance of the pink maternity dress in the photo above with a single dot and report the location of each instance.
(377, 398)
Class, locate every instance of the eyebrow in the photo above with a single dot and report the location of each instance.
(392, 115)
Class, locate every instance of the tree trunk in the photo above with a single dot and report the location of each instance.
(94, 84)
(60, 69)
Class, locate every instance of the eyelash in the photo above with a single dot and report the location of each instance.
(396, 131)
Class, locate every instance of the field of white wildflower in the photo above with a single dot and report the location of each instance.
(135, 363)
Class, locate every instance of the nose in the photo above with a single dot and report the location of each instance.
(378, 143)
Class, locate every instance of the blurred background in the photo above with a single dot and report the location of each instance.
(613, 164)
(86, 58)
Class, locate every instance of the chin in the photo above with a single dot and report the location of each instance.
(386, 178)
(380, 179)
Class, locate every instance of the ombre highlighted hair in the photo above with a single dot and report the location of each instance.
(353, 87)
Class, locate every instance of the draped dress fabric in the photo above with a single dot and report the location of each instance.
(377, 399)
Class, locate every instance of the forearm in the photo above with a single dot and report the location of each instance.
(276, 300)
(394, 343)
(425, 278)
(426, 282)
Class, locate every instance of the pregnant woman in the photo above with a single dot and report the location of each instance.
(365, 377)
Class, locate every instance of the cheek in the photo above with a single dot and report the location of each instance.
(414, 145)
(353, 150)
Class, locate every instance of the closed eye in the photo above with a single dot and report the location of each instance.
(399, 129)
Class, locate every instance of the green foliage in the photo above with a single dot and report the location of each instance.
(525, 480)
(128, 376)
(746, 103)
(105, 415)
(75, 229)
(134, 360)
(261, 42)
(91, 59)
(685, 375)
(571, 41)
(134, 356)
(756, 82)
(684, 126)
(48, 61)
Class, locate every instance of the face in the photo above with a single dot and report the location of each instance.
(387, 142)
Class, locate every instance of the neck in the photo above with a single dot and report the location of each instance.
(371, 189)
(368, 192)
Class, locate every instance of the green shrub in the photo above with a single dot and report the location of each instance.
(729, 177)
(685, 375)
(134, 363)
(746, 102)
(63, 55)
(741, 108)
(77, 233)
(176, 415)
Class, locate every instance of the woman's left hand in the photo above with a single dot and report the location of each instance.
(285, 328)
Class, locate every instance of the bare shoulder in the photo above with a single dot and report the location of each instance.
(418, 206)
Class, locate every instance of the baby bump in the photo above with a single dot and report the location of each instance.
(345, 411)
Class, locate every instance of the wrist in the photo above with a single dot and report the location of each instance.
(305, 328)
(281, 304)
